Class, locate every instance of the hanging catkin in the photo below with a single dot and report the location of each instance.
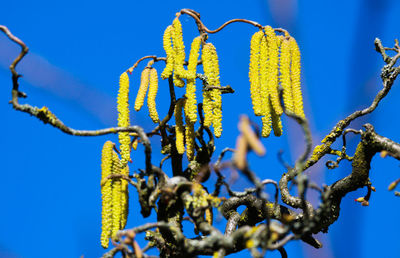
(179, 52)
(124, 198)
(270, 67)
(116, 197)
(254, 72)
(189, 139)
(272, 70)
(284, 78)
(144, 84)
(167, 44)
(295, 76)
(123, 117)
(264, 76)
(106, 193)
(207, 100)
(151, 98)
(191, 103)
(212, 102)
(179, 128)
(276, 122)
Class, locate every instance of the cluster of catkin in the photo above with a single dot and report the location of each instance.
(114, 191)
(148, 80)
(274, 61)
(212, 105)
(274, 69)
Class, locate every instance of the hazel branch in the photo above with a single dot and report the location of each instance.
(202, 28)
(389, 75)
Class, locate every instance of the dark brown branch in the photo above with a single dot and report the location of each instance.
(203, 28)
(297, 202)
(155, 59)
(24, 51)
(389, 75)
(371, 143)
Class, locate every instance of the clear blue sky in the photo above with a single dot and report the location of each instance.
(50, 182)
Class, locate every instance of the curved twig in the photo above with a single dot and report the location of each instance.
(203, 28)
(155, 59)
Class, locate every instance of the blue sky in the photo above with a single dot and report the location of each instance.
(49, 187)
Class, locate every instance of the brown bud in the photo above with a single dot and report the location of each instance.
(365, 203)
(251, 137)
(393, 185)
(239, 157)
(360, 199)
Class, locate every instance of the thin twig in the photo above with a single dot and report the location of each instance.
(203, 28)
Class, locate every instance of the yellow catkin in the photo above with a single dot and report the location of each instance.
(279, 39)
(209, 216)
(284, 78)
(276, 122)
(211, 71)
(272, 69)
(124, 198)
(144, 84)
(167, 44)
(191, 103)
(266, 122)
(190, 139)
(207, 108)
(178, 81)
(179, 53)
(116, 197)
(263, 76)
(207, 100)
(216, 97)
(295, 76)
(193, 58)
(123, 117)
(179, 128)
(151, 98)
(106, 193)
(254, 72)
